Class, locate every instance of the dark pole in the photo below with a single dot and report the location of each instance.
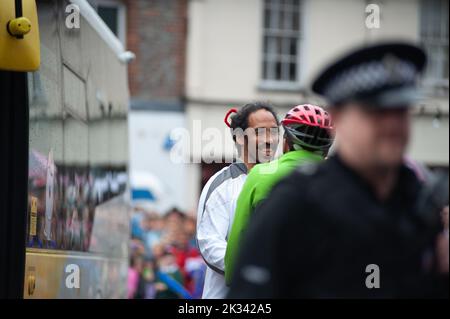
(13, 182)
(19, 11)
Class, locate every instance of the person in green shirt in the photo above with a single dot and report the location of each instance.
(307, 139)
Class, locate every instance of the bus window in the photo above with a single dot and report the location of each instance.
(78, 216)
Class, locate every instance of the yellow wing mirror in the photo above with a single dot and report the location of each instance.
(19, 27)
(19, 36)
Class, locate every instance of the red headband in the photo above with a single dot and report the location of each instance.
(228, 115)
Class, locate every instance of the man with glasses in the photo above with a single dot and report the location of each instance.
(307, 139)
(254, 129)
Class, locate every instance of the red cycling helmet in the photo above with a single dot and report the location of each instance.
(309, 126)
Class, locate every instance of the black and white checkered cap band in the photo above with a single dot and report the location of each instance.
(369, 77)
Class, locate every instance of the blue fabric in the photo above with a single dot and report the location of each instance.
(140, 193)
(136, 230)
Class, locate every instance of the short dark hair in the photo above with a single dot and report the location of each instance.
(240, 119)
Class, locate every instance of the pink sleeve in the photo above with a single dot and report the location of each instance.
(133, 278)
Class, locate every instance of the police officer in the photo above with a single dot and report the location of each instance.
(351, 226)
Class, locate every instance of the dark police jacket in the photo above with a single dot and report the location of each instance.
(322, 233)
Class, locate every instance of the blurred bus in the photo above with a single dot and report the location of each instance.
(69, 214)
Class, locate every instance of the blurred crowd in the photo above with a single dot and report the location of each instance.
(165, 262)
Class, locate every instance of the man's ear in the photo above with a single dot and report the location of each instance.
(240, 139)
(335, 116)
(286, 147)
(333, 112)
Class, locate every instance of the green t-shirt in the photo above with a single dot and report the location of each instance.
(257, 186)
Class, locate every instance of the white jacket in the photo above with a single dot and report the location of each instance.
(215, 216)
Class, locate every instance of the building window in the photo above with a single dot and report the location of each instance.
(434, 38)
(113, 13)
(281, 42)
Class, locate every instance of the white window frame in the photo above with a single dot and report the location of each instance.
(121, 18)
(434, 81)
(283, 85)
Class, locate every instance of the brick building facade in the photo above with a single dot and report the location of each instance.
(156, 33)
